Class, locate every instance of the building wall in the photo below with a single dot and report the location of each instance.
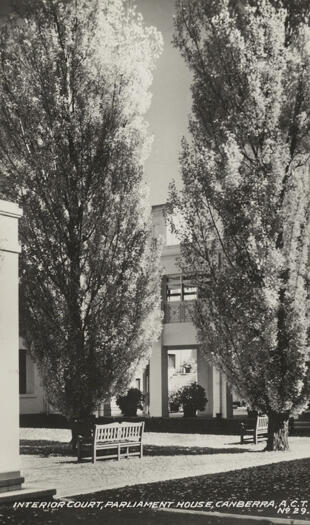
(9, 435)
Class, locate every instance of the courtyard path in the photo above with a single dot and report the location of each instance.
(167, 456)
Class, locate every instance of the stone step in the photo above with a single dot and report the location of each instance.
(27, 493)
(13, 483)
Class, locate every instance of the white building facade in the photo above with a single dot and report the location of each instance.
(179, 333)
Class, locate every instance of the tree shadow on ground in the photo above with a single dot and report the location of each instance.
(44, 448)
(159, 450)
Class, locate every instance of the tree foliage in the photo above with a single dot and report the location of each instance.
(74, 88)
(245, 203)
(131, 402)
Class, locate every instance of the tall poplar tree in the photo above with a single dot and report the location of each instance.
(74, 88)
(245, 204)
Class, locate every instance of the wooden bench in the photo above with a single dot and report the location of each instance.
(122, 440)
(256, 430)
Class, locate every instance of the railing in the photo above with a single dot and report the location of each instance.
(179, 312)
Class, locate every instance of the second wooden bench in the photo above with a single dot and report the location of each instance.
(254, 430)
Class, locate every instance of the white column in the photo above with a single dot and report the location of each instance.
(216, 391)
(158, 381)
(223, 396)
(209, 378)
(9, 380)
(203, 379)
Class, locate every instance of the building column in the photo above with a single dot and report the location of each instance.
(10, 478)
(223, 408)
(226, 398)
(203, 380)
(210, 379)
(158, 401)
(229, 400)
(146, 390)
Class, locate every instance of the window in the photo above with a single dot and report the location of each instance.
(22, 372)
(171, 360)
(180, 288)
(174, 289)
(189, 290)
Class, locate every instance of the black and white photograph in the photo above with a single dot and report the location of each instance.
(154, 262)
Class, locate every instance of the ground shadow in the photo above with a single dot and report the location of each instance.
(158, 450)
(46, 448)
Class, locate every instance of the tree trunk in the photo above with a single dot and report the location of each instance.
(74, 436)
(277, 432)
(82, 426)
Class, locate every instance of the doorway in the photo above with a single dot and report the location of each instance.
(182, 371)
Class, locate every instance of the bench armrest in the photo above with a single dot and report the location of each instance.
(85, 439)
(247, 426)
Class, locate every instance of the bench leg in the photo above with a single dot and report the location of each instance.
(79, 452)
(94, 454)
(255, 438)
(118, 452)
(141, 451)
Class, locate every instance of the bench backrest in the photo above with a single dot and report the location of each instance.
(115, 432)
(262, 423)
(106, 432)
(131, 431)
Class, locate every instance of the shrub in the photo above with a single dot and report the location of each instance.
(193, 398)
(174, 401)
(130, 403)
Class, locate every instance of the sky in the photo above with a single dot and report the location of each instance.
(171, 103)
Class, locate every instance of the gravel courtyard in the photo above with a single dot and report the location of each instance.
(47, 461)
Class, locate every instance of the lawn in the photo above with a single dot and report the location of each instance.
(287, 480)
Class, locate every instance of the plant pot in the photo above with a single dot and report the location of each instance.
(189, 411)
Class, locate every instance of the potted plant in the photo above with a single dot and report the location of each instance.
(174, 402)
(187, 367)
(130, 403)
(193, 398)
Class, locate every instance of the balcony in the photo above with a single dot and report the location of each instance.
(178, 312)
